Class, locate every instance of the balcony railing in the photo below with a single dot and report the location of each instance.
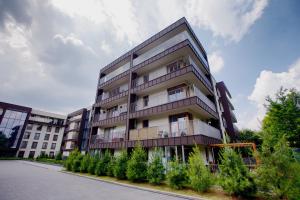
(108, 115)
(175, 129)
(115, 136)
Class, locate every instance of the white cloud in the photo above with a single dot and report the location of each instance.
(267, 84)
(216, 62)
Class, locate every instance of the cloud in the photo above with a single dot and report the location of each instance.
(216, 62)
(267, 84)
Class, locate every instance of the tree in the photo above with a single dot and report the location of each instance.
(234, 177)
(198, 174)
(58, 156)
(278, 173)
(110, 167)
(92, 163)
(102, 164)
(247, 135)
(68, 164)
(156, 169)
(283, 117)
(176, 175)
(137, 165)
(76, 162)
(121, 165)
(85, 163)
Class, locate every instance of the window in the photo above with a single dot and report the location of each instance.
(31, 154)
(146, 78)
(34, 145)
(173, 67)
(44, 146)
(49, 128)
(39, 128)
(53, 145)
(36, 136)
(21, 154)
(43, 153)
(145, 123)
(29, 126)
(56, 129)
(26, 135)
(176, 94)
(47, 136)
(55, 137)
(145, 100)
(51, 154)
(23, 144)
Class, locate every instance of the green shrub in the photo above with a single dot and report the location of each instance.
(58, 156)
(85, 163)
(76, 163)
(199, 176)
(176, 175)
(156, 169)
(68, 164)
(110, 168)
(234, 176)
(121, 165)
(102, 164)
(137, 165)
(92, 163)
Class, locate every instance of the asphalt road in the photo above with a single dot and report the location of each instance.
(22, 180)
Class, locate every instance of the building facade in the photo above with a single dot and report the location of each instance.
(159, 94)
(43, 135)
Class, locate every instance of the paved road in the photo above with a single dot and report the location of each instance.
(22, 180)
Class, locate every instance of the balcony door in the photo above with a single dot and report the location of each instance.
(179, 125)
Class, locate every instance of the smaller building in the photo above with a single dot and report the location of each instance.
(43, 134)
(228, 118)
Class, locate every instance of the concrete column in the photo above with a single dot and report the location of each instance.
(176, 153)
(183, 155)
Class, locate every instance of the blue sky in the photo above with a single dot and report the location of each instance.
(51, 51)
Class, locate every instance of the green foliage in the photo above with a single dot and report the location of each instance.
(102, 164)
(283, 117)
(92, 163)
(278, 174)
(68, 164)
(111, 165)
(198, 174)
(176, 175)
(156, 169)
(247, 135)
(76, 162)
(121, 165)
(85, 163)
(58, 156)
(234, 176)
(137, 165)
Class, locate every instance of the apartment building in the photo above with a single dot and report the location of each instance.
(159, 94)
(77, 131)
(43, 134)
(228, 118)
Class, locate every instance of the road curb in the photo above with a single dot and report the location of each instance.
(137, 187)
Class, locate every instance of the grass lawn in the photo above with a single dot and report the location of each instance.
(215, 193)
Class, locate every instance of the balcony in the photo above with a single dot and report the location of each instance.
(115, 136)
(176, 129)
(71, 137)
(116, 80)
(75, 128)
(108, 101)
(110, 118)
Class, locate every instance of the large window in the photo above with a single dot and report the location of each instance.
(23, 144)
(36, 136)
(56, 129)
(45, 144)
(176, 94)
(145, 101)
(47, 136)
(26, 135)
(34, 145)
(55, 137)
(11, 127)
(53, 145)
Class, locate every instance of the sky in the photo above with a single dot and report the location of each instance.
(51, 51)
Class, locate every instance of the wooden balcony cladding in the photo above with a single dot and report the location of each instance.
(109, 121)
(110, 81)
(158, 142)
(175, 74)
(111, 99)
(173, 106)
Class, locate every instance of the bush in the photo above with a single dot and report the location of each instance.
(92, 163)
(110, 167)
(76, 163)
(121, 165)
(68, 164)
(58, 156)
(234, 176)
(198, 174)
(85, 163)
(137, 165)
(102, 164)
(176, 175)
(156, 169)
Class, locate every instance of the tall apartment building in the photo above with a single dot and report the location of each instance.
(228, 118)
(43, 134)
(77, 131)
(159, 94)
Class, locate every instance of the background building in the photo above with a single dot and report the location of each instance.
(43, 134)
(160, 94)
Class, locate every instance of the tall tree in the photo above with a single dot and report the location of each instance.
(283, 116)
